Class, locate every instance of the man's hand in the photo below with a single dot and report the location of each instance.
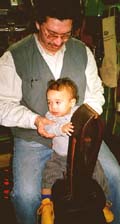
(40, 123)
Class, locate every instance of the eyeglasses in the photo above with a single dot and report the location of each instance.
(53, 35)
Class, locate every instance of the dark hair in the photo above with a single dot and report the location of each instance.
(62, 83)
(59, 9)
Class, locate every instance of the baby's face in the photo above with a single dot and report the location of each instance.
(59, 102)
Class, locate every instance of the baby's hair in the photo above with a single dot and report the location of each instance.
(62, 83)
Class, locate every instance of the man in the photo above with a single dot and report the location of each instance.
(25, 70)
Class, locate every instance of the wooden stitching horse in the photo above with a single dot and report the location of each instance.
(78, 199)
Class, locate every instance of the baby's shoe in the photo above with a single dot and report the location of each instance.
(46, 211)
(109, 216)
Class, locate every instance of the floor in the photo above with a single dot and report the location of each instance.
(7, 214)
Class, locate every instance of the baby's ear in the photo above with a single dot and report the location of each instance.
(73, 102)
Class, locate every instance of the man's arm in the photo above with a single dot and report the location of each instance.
(12, 114)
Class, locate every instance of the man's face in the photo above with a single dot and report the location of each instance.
(53, 33)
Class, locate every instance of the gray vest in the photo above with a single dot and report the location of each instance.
(35, 74)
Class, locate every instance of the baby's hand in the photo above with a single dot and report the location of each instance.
(68, 128)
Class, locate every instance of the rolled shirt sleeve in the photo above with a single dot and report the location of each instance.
(94, 90)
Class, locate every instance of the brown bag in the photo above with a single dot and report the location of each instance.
(108, 70)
